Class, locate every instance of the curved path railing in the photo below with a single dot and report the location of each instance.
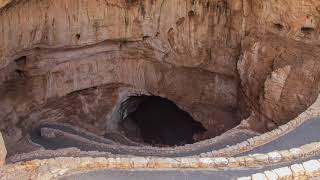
(52, 168)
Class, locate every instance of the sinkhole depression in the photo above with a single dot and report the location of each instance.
(158, 121)
(147, 78)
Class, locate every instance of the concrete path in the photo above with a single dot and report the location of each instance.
(178, 174)
(304, 134)
(307, 133)
(62, 141)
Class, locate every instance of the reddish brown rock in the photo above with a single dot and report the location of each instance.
(219, 60)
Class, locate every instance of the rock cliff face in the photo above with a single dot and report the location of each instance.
(220, 60)
(278, 66)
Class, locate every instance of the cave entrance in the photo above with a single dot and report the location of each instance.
(158, 121)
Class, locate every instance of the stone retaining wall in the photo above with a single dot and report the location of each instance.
(312, 112)
(51, 168)
(230, 151)
(54, 167)
(305, 170)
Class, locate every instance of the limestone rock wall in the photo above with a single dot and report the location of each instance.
(217, 59)
(176, 49)
(279, 66)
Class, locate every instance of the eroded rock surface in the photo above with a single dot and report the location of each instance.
(132, 44)
(3, 151)
(278, 67)
(74, 61)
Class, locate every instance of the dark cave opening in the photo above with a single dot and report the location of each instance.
(158, 121)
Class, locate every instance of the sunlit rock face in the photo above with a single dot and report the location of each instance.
(221, 61)
(4, 3)
(278, 67)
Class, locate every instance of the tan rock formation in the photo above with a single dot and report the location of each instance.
(281, 42)
(4, 3)
(142, 44)
(75, 60)
(3, 151)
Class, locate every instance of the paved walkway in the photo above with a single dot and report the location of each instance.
(179, 174)
(304, 134)
(62, 141)
(307, 133)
